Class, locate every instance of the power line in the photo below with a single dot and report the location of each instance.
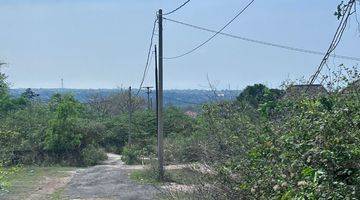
(212, 37)
(148, 58)
(264, 42)
(336, 39)
(150, 61)
(178, 8)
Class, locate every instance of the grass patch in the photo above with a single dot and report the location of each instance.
(27, 180)
(58, 194)
(184, 176)
(143, 177)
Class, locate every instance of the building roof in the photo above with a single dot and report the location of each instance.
(307, 91)
(191, 114)
(354, 86)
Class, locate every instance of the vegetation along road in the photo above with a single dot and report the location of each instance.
(298, 139)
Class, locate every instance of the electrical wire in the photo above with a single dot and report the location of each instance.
(151, 58)
(178, 8)
(336, 39)
(147, 59)
(213, 36)
(264, 42)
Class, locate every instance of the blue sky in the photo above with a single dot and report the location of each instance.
(103, 43)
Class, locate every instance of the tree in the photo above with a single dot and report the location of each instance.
(29, 94)
(115, 104)
(7, 103)
(259, 94)
(62, 137)
(4, 87)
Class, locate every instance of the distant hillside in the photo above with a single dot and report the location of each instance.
(181, 98)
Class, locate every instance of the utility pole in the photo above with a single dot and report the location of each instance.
(130, 116)
(148, 92)
(151, 103)
(62, 83)
(160, 99)
(156, 89)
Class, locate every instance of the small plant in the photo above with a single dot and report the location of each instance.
(92, 155)
(131, 155)
(4, 177)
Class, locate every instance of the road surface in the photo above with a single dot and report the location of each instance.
(110, 181)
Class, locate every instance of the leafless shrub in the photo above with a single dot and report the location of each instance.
(115, 104)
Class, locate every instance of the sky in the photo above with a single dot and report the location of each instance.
(104, 43)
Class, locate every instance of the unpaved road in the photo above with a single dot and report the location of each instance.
(110, 181)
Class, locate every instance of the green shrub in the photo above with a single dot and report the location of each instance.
(258, 94)
(177, 122)
(62, 135)
(182, 149)
(29, 126)
(92, 155)
(131, 155)
(311, 153)
(4, 177)
(302, 149)
(10, 144)
(116, 134)
(150, 175)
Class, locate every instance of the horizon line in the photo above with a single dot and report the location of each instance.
(49, 88)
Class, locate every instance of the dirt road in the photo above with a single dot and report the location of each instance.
(110, 181)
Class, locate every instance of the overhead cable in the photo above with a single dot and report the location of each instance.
(264, 42)
(213, 36)
(178, 8)
(147, 59)
(336, 39)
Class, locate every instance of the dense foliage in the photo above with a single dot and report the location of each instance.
(4, 177)
(144, 137)
(259, 94)
(66, 131)
(61, 131)
(264, 146)
(310, 152)
(259, 146)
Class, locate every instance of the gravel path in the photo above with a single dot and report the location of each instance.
(109, 181)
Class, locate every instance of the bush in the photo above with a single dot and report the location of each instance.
(258, 94)
(131, 155)
(177, 122)
(11, 144)
(116, 135)
(30, 125)
(4, 177)
(92, 155)
(314, 151)
(62, 136)
(302, 149)
(182, 149)
(150, 175)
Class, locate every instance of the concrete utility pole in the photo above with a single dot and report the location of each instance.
(130, 115)
(148, 92)
(156, 89)
(151, 103)
(160, 100)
